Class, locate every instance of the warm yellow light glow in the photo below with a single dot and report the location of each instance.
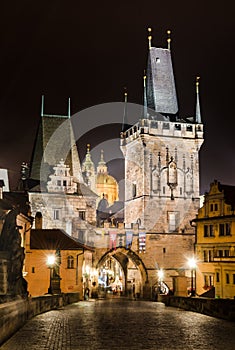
(160, 274)
(192, 263)
(50, 260)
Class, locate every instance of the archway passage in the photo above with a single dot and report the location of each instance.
(121, 272)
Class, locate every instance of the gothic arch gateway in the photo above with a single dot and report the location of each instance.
(122, 270)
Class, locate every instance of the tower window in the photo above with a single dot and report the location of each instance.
(64, 183)
(210, 255)
(226, 253)
(82, 214)
(172, 219)
(158, 60)
(70, 262)
(227, 278)
(56, 214)
(205, 255)
(38, 220)
(228, 229)
(208, 231)
(134, 190)
(58, 182)
(177, 127)
(211, 280)
(211, 230)
(221, 229)
(189, 128)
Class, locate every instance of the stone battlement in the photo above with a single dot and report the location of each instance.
(162, 128)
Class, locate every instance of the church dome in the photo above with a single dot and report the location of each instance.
(105, 179)
(106, 185)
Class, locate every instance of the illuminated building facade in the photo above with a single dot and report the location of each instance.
(215, 245)
(161, 153)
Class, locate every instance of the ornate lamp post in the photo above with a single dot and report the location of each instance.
(51, 263)
(192, 265)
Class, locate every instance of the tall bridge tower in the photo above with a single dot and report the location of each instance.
(162, 168)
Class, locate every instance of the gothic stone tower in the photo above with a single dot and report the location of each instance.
(162, 168)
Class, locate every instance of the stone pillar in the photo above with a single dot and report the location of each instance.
(147, 291)
(180, 286)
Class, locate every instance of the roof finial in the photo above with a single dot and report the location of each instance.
(150, 37)
(42, 106)
(69, 114)
(124, 119)
(145, 97)
(125, 94)
(197, 84)
(88, 148)
(198, 111)
(102, 155)
(169, 39)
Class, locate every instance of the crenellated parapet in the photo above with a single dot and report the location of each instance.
(162, 128)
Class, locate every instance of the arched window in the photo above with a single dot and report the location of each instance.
(70, 262)
(38, 220)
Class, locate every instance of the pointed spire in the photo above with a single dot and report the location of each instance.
(150, 37)
(42, 106)
(124, 119)
(161, 90)
(88, 164)
(102, 157)
(169, 39)
(102, 167)
(198, 118)
(145, 98)
(69, 112)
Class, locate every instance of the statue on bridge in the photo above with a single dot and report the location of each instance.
(10, 242)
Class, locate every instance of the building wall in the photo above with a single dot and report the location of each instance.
(215, 249)
(153, 193)
(59, 210)
(37, 272)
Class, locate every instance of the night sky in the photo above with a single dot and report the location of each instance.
(89, 51)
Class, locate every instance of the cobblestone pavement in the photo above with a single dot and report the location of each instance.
(122, 324)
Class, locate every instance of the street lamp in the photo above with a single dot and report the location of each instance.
(192, 265)
(160, 278)
(51, 259)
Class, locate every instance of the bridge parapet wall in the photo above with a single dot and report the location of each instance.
(14, 314)
(220, 308)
